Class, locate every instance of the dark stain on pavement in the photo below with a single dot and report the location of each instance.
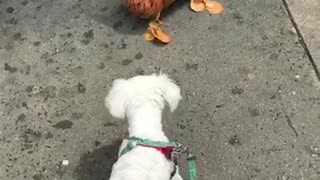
(193, 66)
(254, 112)
(18, 36)
(234, 140)
(237, 90)
(10, 10)
(66, 124)
(126, 62)
(101, 66)
(81, 88)
(138, 56)
(21, 118)
(9, 68)
(89, 35)
(274, 56)
(37, 177)
(25, 2)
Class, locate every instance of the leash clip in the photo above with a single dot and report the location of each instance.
(180, 149)
(191, 157)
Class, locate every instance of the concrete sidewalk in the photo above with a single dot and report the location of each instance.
(251, 99)
(305, 16)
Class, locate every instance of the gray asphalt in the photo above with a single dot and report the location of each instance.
(250, 106)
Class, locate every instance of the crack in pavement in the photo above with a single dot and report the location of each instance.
(289, 122)
(301, 40)
(288, 119)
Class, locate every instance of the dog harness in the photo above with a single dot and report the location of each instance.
(171, 150)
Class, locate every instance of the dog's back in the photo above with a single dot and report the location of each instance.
(154, 166)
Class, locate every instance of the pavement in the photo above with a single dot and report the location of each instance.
(250, 106)
(305, 17)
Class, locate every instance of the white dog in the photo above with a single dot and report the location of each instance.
(141, 99)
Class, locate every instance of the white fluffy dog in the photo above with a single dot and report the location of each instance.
(141, 99)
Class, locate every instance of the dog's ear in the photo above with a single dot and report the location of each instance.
(171, 92)
(116, 99)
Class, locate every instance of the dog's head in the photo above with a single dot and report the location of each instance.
(141, 90)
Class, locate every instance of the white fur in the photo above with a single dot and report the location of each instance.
(141, 99)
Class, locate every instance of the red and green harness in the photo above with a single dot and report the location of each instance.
(171, 150)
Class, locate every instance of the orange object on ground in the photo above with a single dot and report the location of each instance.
(197, 5)
(155, 32)
(212, 7)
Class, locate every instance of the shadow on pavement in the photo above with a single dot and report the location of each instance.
(97, 165)
(123, 22)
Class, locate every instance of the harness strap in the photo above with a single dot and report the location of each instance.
(134, 141)
(178, 149)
